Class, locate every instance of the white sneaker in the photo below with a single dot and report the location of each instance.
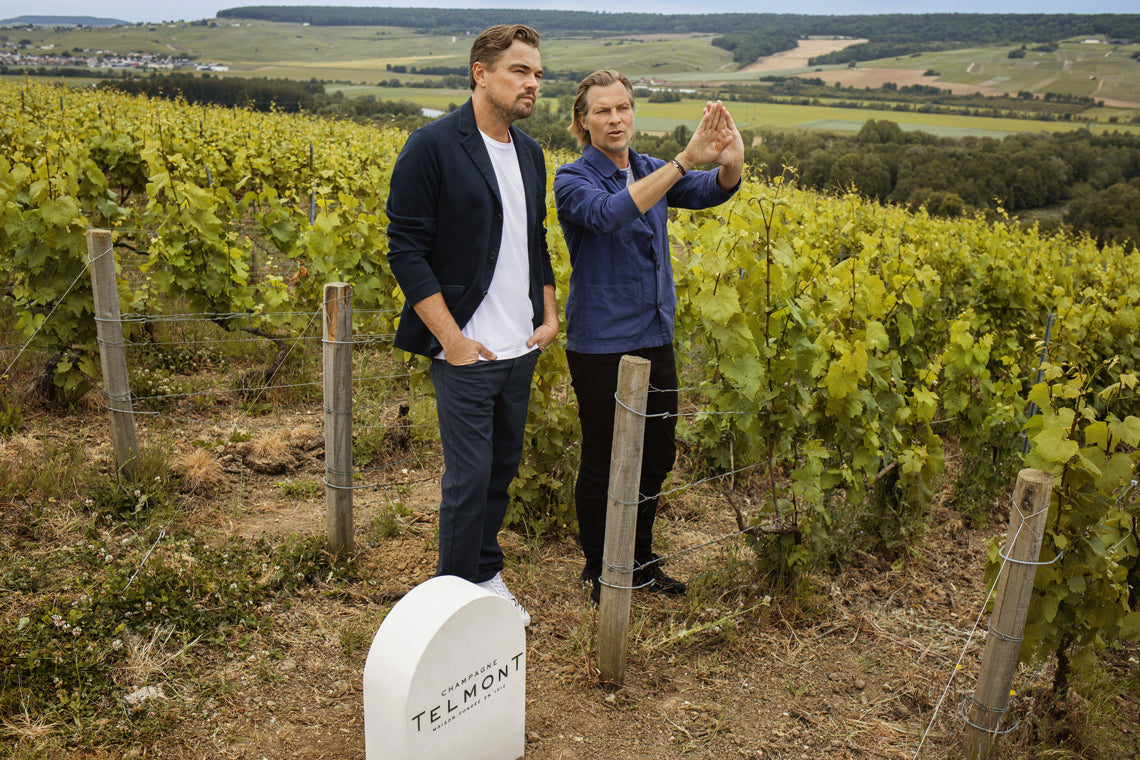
(497, 587)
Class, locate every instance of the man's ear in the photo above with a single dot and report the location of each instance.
(478, 73)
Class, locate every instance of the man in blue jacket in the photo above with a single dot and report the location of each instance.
(467, 244)
(613, 207)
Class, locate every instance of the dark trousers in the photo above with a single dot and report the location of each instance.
(594, 377)
(482, 415)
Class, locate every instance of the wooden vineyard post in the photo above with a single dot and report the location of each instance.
(1012, 593)
(112, 351)
(621, 515)
(338, 416)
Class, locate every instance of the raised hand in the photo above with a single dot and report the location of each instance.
(733, 153)
(709, 138)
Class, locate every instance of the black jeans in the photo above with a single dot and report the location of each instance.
(594, 377)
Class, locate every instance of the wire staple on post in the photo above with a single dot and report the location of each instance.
(1002, 636)
(1027, 562)
(991, 731)
(625, 588)
(644, 415)
(623, 503)
(349, 488)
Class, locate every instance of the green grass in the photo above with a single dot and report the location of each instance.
(262, 43)
(428, 98)
(363, 54)
(664, 117)
(661, 117)
(652, 55)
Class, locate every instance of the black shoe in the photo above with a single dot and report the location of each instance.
(653, 579)
(595, 586)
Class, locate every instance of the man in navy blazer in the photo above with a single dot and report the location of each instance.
(467, 244)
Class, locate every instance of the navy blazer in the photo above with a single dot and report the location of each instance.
(445, 222)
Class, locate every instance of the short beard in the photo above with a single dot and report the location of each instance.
(519, 109)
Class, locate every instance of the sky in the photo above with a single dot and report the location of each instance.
(180, 10)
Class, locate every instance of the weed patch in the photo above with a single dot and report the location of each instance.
(85, 615)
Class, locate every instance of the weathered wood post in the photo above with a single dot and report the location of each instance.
(621, 515)
(338, 415)
(1012, 593)
(112, 351)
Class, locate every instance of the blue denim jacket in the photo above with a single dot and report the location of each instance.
(621, 285)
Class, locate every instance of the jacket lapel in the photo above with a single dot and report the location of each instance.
(472, 141)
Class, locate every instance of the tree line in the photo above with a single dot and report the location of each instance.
(282, 95)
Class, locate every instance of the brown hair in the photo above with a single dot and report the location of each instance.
(493, 42)
(600, 78)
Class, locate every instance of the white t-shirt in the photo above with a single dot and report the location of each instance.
(504, 320)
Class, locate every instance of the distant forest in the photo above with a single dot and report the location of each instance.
(747, 35)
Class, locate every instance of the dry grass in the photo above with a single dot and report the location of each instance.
(201, 472)
(269, 453)
(26, 730)
(147, 659)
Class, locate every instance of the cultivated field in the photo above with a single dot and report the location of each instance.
(663, 117)
(1094, 69)
(355, 59)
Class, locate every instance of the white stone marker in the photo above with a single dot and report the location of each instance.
(445, 677)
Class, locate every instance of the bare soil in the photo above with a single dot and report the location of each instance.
(862, 669)
(735, 670)
(859, 77)
(875, 78)
(799, 56)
